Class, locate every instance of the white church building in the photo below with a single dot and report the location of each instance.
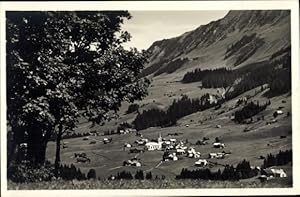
(151, 146)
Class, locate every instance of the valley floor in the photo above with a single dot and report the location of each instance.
(260, 139)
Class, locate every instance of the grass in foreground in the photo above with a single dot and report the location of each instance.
(148, 184)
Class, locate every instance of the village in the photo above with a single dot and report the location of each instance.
(176, 149)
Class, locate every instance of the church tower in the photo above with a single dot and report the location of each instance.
(159, 139)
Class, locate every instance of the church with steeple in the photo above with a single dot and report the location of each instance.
(150, 146)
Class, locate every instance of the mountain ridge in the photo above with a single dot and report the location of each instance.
(271, 26)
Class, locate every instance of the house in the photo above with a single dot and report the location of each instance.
(279, 173)
(170, 156)
(279, 112)
(132, 162)
(140, 142)
(166, 144)
(212, 155)
(271, 172)
(86, 138)
(127, 145)
(191, 153)
(218, 126)
(173, 141)
(216, 155)
(180, 151)
(257, 168)
(151, 146)
(220, 155)
(107, 140)
(201, 162)
(218, 145)
(121, 131)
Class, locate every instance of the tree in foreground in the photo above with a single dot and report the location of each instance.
(63, 65)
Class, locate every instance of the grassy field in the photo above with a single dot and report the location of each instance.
(262, 139)
(147, 184)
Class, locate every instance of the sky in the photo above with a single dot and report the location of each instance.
(147, 27)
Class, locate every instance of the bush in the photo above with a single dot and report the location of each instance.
(71, 172)
(149, 175)
(139, 175)
(123, 175)
(28, 173)
(91, 174)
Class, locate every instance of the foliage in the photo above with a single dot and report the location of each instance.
(28, 173)
(276, 72)
(124, 125)
(61, 65)
(124, 175)
(216, 78)
(148, 175)
(67, 172)
(132, 108)
(139, 175)
(282, 158)
(242, 171)
(91, 174)
(178, 109)
(248, 111)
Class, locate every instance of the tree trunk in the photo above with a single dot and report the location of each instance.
(36, 145)
(14, 138)
(57, 156)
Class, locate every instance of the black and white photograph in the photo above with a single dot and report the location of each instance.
(115, 98)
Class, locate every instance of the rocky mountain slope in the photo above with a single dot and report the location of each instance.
(240, 38)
